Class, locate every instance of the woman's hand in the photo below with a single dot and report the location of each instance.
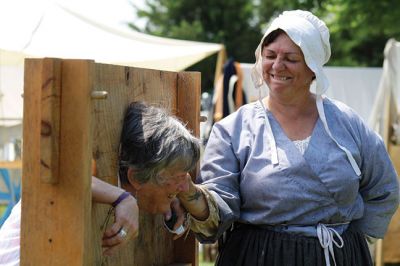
(181, 216)
(124, 228)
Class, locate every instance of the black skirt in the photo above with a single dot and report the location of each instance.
(249, 245)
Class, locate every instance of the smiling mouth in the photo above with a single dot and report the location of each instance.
(282, 78)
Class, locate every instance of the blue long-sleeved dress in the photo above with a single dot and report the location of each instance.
(302, 190)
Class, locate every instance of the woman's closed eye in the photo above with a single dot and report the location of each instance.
(287, 59)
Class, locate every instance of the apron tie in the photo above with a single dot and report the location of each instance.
(326, 237)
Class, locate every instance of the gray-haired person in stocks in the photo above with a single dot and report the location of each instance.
(295, 178)
(156, 153)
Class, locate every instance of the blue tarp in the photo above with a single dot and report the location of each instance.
(10, 196)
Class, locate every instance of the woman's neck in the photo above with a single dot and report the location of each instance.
(297, 118)
(292, 108)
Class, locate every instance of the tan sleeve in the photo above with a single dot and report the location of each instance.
(209, 226)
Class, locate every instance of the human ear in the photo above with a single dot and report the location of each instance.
(131, 178)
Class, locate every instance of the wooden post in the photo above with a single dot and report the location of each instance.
(188, 105)
(55, 225)
(391, 241)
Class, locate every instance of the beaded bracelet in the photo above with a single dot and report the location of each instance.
(121, 197)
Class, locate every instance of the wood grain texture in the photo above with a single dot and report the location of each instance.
(387, 250)
(391, 250)
(50, 120)
(55, 226)
(154, 245)
(59, 224)
(188, 106)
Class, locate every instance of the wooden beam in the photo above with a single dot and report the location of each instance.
(11, 164)
(125, 85)
(188, 109)
(56, 216)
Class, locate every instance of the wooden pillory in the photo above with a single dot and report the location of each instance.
(73, 111)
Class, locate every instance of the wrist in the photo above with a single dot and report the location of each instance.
(192, 196)
(124, 195)
(183, 195)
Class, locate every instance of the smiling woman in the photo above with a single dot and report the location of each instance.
(284, 66)
(295, 178)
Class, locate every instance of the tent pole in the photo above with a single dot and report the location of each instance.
(220, 63)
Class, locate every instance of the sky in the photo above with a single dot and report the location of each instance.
(22, 16)
(111, 12)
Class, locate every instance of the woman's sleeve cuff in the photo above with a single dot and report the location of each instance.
(209, 226)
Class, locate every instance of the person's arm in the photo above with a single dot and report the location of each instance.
(379, 187)
(202, 210)
(10, 237)
(194, 201)
(103, 192)
(126, 215)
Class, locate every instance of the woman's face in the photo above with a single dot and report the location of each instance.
(284, 67)
(157, 197)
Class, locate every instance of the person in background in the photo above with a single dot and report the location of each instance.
(295, 178)
(156, 154)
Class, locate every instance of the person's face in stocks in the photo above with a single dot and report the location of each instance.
(284, 68)
(156, 197)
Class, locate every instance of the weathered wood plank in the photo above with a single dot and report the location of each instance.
(154, 246)
(391, 240)
(188, 106)
(56, 218)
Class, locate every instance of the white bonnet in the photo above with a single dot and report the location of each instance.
(310, 34)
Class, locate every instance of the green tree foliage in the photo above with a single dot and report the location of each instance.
(269, 9)
(232, 23)
(229, 22)
(359, 28)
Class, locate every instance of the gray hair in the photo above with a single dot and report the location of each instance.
(153, 140)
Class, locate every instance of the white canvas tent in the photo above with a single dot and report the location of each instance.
(56, 30)
(385, 119)
(355, 86)
(53, 28)
(387, 101)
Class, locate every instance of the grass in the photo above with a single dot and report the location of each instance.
(204, 263)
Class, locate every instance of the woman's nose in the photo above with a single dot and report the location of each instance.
(278, 64)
